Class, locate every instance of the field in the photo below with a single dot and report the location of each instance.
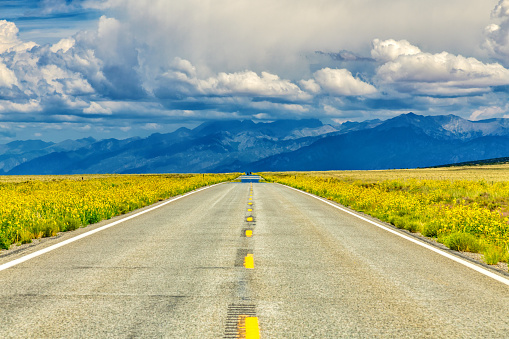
(465, 208)
(40, 206)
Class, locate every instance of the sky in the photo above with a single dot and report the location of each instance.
(124, 68)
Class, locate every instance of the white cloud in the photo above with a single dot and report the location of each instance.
(96, 108)
(441, 74)
(63, 45)
(310, 86)
(7, 76)
(496, 36)
(9, 40)
(65, 82)
(341, 82)
(487, 113)
(7, 106)
(182, 80)
(389, 50)
(250, 83)
(151, 126)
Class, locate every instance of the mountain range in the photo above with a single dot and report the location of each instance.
(405, 141)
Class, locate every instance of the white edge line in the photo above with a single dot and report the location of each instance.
(99, 229)
(414, 240)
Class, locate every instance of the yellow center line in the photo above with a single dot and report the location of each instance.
(249, 233)
(250, 210)
(247, 327)
(249, 261)
(252, 328)
(250, 198)
(249, 218)
(249, 203)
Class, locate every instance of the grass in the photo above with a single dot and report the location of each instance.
(33, 207)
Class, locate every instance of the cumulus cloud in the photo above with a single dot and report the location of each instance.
(202, 59)
(497, 35)
(182, 81)
(389, 50)
(441, 74)
(96, 108)
(63, 45)
(9, 40)
(341, 82)
(310, 86)
(488, 112)
(31, 106)
(501, 9)
(7, 77)
(252, 84)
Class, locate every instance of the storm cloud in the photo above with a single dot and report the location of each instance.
(172, 63)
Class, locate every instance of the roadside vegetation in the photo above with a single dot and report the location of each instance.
(32, 207)
(465, 208)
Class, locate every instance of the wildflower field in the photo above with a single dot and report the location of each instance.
(465, 208)
(40, 206)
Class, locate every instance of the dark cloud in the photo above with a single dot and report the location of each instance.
(345, 56)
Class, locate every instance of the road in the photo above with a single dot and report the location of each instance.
(179, 272)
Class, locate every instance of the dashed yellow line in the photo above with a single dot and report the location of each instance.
(252, 328)
(249, 219)
(250, 210)
(249, 203)
(249, 261)
(247, 327)
(249, 233)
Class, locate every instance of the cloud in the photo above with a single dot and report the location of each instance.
(341, 82)
(63, 45)
(96, 108)
(496, 36)
(7, 77)
(9, 38)
(202, 59)
(182, 81)
(251, 84)
(7, 106)
(488, 112)
(389, 50)
(443, 74)
(501, 10)
(310, 86)
(344, 55)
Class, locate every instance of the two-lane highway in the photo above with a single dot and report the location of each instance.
(180, 271)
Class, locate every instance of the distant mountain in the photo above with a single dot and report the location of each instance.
(211, 147)
(405, 141)
(16, 153)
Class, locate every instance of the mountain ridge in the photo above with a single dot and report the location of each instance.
(405, 141)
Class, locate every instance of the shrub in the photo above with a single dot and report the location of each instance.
(492, 255)
(4, 242)
(50, 228)
(37, 230)
(460, 241)
(24, 236)
(431, 230)
(69, 224)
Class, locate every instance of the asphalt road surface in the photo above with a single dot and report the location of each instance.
(183, 271)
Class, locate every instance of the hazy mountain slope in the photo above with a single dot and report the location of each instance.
(401, 142)
(208, 147)
(405, 141)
